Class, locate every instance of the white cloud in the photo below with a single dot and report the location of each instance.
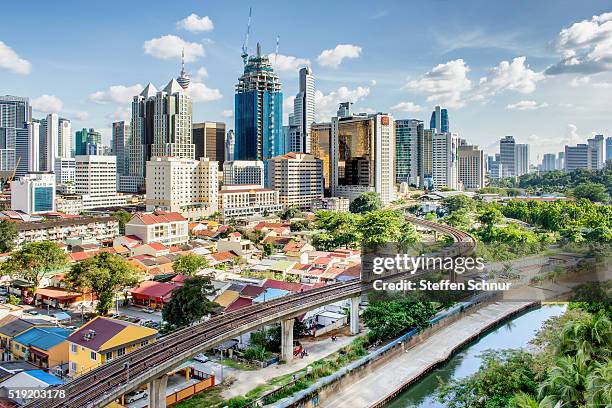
(121, 113)
(282, 62)
(571, 136)
(195, 23)
(116, 94)
(579, 81)
(171, 46)
(327, 105)
(81, 115)
(585, 47)
(513, 76)
(333, 57)
(47, 104)
(199, 92)
(13, 62)
(373, 82)
(227, 113)
(526, 105)
(444, 84)
(200, 74)
(602, 84)
(408, 107)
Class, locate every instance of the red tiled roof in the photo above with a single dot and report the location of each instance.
(180, 278)
(265, 224)
(159, 217)
(223, 256)
(293, 246)
(131, 238)
(322, 261)
(158, 246)
(154, 289)
(288, 286)
(57, 293)
(239, 303)
(251, 291)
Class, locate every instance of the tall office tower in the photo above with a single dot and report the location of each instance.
(292, 136)
(258, 111)
(34, 193)
(298, 178)
(320, 147)
(243, 172)
(407, 133)
(471, 167)
(230, 140)
(121, 134)
(172, 123)
(182, 185)
(560, 164)
(424, 157)
(139, 144)
(609, 148)
(15, 116)
(578, 157)
(549, 162)
(345, 110)
(33, 153)
(597, 152)
(209, 141)
(304, 109)
(445, 166)
(522, 159)
(87, 142)
(49, 142)
(64, 139)
(439, 120)
(96, 181)
(363, 156)
(507, 153)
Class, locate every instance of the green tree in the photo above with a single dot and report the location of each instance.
(8, 235)
(458, 219)
(123, 217)
(190, 302)
(599, 386)
(591, 191)
(590, 339)
(268, 249)
(189, 264)
(430, 216)
(366, 202)
(566, 382)
(389, 318)
(290, 213)
(13, 300)
(35, 260)
(384, 226)
(489, 216)
(103, 274)
(458, 202)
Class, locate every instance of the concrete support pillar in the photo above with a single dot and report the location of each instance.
(287, 339)
(354, 315)
(157, 392)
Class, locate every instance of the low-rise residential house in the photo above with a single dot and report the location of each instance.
(43, 346)
(153, 249)
(278, 242)
(128, 241)
(226, 257)
(153, 294)
(30, 380)
(60, 230)
(236, 244)
(227, 297)
(61, 298)
(103, 339)
(168, 228)
(10, 328)
(298, 251)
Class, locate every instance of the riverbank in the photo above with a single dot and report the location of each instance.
(405, 368)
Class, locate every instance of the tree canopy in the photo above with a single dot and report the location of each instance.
(35, 260)
(190, 303)
(189, 264)
(8, 234)
(591, 191)
(366, 202)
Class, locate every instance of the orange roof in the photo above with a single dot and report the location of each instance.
(80, 256)
(223, 256)
(293, 246)
(158, 246)
(120, 249)
(57, 293)
(159, 217)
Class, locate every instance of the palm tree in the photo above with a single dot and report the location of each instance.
(522, 400)
(566, 382)
(599, 386)
(590, 338)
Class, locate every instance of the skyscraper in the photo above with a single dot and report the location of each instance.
(407, 133)
(16, 135)
(597, 152)
(445, 164)
(521, 160)
(439, 120)
(121, 132)
(230, 141)
(548, 162)
(304, 109)
(49, 135)
(141, 139)
(209, 141)
(578, 157)
(471, 167)
(258, 111)
(320, 146)
(424, 157)
(609, 148)
(64, 139)
(507, 154)
(87, 141)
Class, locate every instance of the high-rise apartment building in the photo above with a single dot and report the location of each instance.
(16, 136)
(560, 164)
(363, 156)
(209, 141)
(139, 144)
(439, 120)
(471, 167)
(65, 175)
(304, 110)
(298, 178)
(507, 154)
(230, 141)
(258, 111)
(597, 152)
(609, 148)
(425, 157)
(549, 162)
(182, 185)
(320, 147)
(121, 135)
(64, 139)
(407, 133)
(578, 157)
(96, 181)
(522, 159)
(243, 172)
(49, 142)
(445, 164)
(34, 193)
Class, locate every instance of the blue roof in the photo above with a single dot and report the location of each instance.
(269, 294)
(43, 338)
(45, 377)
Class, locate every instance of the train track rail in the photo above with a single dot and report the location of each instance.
(109, 381)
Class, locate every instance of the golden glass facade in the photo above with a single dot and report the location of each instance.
(355, 155)
(320, 147)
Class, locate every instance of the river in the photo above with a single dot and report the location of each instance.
(515, 333)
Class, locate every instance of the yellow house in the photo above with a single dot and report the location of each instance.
(44, 346)
(12, 326)
(103, 339)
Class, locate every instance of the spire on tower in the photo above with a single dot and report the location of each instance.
(183, 79)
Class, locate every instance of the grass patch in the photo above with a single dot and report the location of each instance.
(237, 365)
(208, 398)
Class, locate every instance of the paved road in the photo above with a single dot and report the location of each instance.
(409, 365)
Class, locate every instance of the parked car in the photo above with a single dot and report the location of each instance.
(201, 358)
(136, 395)
(32, 312)
(148, 310)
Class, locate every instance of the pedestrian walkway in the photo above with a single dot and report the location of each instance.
(247, 380)
(409, 365)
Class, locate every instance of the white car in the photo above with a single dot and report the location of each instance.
(136, 395)
(148, 310)
(201, 358)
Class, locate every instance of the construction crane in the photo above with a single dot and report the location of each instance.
(245, 46)
(10, 178)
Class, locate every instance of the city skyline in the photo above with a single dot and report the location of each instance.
(539, 94)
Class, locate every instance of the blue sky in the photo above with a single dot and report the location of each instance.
(539, 70)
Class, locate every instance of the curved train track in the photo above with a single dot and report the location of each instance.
(111, 380)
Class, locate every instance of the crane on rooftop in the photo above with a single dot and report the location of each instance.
(245, 46)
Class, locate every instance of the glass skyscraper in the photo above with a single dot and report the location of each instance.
(407, 132)
(258, 111)
(439, 120)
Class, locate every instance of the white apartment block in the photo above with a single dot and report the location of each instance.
(471, 167)
(298, 178)
(69, 204)
(244, 201)
(521, 160)
(187, 186)
(337, 204)
(65, 171)
(34, 193)
(445, 166)
(168, 228)
(96, 181)
(243, 172)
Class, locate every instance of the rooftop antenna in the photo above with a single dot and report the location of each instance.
(276, 50)
(245, 50)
